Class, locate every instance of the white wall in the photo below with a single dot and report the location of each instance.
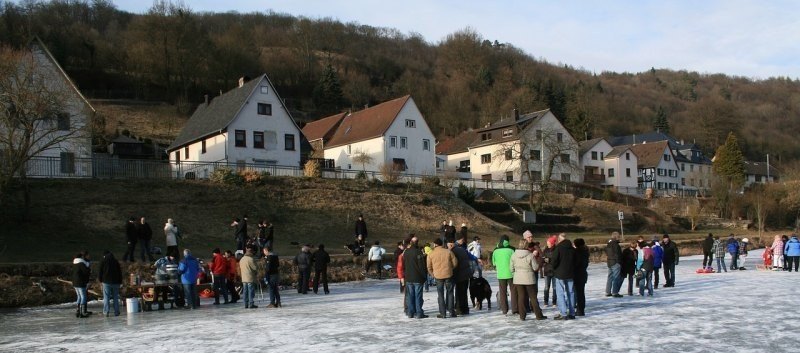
(343, 155)
(602, 148)
(621, 164)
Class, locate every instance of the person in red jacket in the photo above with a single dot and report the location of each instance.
(219, 272)
(401, 273)
(233, 276)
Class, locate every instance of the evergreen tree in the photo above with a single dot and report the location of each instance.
(729, 162)
(327, 95)
(660, 122)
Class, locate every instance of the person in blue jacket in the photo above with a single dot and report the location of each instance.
(733, 248)
(792, 252)
(658, 256)
(189, 268)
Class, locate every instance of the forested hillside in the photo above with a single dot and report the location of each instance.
(321, 66)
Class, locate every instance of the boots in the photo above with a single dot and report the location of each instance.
(86, 311)
(78, 311)
(81, 311)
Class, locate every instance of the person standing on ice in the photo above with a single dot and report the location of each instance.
(272, 268)
(375, 256)
(415, 275)
(80, 280)
(671, 259)
(110, 276)
(475, 249)
(219, 271)
(461, 276)
(614, 262)
(743, 252)
(792, 252)
(644, 263)
(321, 261)
(441, 263)
(581, 275)
(629, 255)
(249, 271)
(189, 267)
(524, 268)
(564, 270)
(708, 255)
(547, 271)
(501, 258)
(303, 263)
(719, 251)
(777, 253)
(658, 259)
(733, 249)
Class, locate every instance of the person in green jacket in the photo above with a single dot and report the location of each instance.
(501, 259)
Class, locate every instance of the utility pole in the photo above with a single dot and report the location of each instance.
(767, 168)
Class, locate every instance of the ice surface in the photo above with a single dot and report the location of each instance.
(754, 311)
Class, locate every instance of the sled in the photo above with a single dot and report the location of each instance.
(704, 270)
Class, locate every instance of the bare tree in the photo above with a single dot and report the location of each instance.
(35, 115)
(363, 158)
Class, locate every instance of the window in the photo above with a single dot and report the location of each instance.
(683, 167)
(177, 156)
(601, 155)
(628, 172)
(758, 178)
(673, 173)
(426, 145)
(486, 177)
(63, 121)
(666, 157)
(486, 158)
(610, 172)
(538, 134)
(399, 164)
(594, 155)
(660, 172)
(536, 155)
(683, 181)
(203, 147)
(241, 138)
(691, 167)
(660, 185)
(411, 123)
(627, 156)
(186, 153)
(463, 166)
(288, 141)
(264, 109)
(509, 176)
(68, 162)
(564, 158)
(264, 89)
(403, 142)
(485, 136)
(559, 137)
(258, 139)
(393, 141)
(348, 151)
(565, 177)
(509, 155)
(508, 132)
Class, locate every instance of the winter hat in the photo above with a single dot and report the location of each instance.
(463, 224)
(527, 234)
(745, 240)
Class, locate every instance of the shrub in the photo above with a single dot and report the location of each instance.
(431, 180)
(361, 175)
(252, 176)
(466, 193)
(227, 176)
(608, 195)
(312, 170)
(390, 175)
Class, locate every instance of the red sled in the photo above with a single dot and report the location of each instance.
(705, 270)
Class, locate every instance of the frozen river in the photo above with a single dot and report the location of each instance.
(754, 311)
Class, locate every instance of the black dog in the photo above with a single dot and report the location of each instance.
(479, 290)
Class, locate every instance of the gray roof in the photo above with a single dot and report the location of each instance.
(683, 152)
(617, 151)
(521, 124)
(217, 115)
(760, 168)
(585, 146)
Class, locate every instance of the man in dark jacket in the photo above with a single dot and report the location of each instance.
(416, 273)
(708, 255)
(361, 228)
(303, 263)
(145, 234)
(110, 276)
(240, 232)
(614, 262)
(321, 260)
(272, 267)
(131, 236)
(461, 276)
(564, 270)
(671, 258)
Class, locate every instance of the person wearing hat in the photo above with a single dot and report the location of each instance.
(501, 259)
(743, 252)
(671, 259)
(475, 249)
(547, 271)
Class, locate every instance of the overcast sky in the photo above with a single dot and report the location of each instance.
(756, 39)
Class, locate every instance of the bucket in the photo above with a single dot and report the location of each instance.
(132, 304)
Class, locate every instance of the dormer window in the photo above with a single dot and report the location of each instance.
(508, 132)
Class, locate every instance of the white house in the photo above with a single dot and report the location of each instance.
(759, 172)
(452, 155)
(392, 133)
(248, 125)
(657, 168)
(501, 150)
(609, 166)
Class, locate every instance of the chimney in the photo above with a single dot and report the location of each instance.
(516, 114)
(206, 99)
(241, 81)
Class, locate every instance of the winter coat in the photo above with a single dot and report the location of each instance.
(302, 260)
(80, 273)
(241, 230)
(708, 243)
(376, 253)
(671, 253)
(658, 255)
(218, 265)
(189, 268)
(131, 233)
(581, 264)
(475, 249)
(563, 260)
(321, 260)
(742, 248)
(501, 258)
(233, 268)
(401, 275)
(270, 232)
(110, 271)
(547, 267)
(628, 261)
(462, 271)
(144, 231)
(248, 268)
(361, 228)
(441, 263)
(718, 249)
(732, 246)
(777, 248)
(523, 267)
(450, 234)
(161, 265)
(464, 233)
(644, 259)
(613, 253)
(272, 264)
(792, 247)
(171, 232)
(414, 265)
